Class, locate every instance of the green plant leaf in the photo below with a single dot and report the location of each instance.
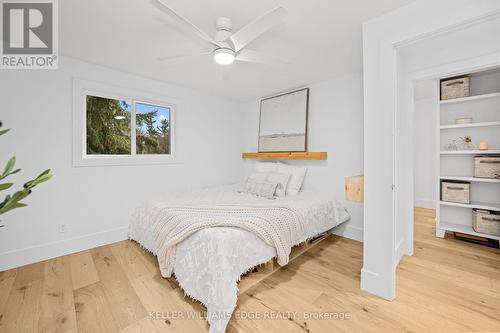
(19, 195)
(9, 166)
(5, 209)
(4, 202)
(43, 177)
(46, 172)
(5, 186)
(2, 132)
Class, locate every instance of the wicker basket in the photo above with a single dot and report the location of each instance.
(458, 192)
(487, 167)
(455, 88)
(486, 222)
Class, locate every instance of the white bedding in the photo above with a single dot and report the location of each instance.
(209, 263)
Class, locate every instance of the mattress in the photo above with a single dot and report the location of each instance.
(210, 262)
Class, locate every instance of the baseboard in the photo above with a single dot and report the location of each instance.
(423, 203)
(29, 255)
(348, 231)
(399, 252)
(378, 285)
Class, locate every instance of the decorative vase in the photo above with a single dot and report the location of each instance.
(452, 146)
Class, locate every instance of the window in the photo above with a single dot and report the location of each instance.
(118, 126)
(152, 131)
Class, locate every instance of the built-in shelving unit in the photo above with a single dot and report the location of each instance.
(483, 106)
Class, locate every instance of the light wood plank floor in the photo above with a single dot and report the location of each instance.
(447, 286)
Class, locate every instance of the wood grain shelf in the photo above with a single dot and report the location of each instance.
(309, 155)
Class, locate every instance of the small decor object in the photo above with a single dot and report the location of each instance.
(455, 88)
(466, 143)
(283, 122)
(483, 145)
(464, 120)
(487, 167)
(14, 201)
(486, 221)
(452, 146)
(458, 192)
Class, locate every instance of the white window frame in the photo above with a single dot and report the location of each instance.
(83, 88)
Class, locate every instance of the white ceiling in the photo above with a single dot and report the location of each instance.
(319, 38)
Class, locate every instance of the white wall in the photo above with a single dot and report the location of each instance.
(96, 202)
(424, 144)
(335, 125)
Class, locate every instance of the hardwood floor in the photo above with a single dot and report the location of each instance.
(447, 286)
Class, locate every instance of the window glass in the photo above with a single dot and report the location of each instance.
(152, 129)
(108, 126)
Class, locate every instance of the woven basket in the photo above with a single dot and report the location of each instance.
(486, 222)
(455, 88)
(487, 167)
(458, 192)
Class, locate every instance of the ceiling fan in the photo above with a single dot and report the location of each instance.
(226, 45)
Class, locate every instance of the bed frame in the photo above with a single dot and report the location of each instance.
(263, 271)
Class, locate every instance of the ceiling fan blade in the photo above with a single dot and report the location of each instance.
(180, 57)
(184, 22)
(254, 29)
(257, 57)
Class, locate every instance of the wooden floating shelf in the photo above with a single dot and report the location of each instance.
(309, 155)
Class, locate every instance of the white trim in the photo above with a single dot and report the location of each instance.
(348, 231)
(399, 251)
(29, 255)
(374, 281)
(81, 88)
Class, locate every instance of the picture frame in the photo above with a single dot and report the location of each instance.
(283, 122)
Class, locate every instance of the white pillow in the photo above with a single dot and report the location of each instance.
(266, 167)
(297, 175)
(258, 176)
(282, 180)
(260, 188)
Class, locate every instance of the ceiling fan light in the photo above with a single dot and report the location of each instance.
(224, 56)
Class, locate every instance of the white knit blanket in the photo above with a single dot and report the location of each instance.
(278, 227)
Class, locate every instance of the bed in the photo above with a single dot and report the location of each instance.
(209, 264)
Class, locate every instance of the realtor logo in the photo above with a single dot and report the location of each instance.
(29, 39)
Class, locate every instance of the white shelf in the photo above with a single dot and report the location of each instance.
(470, 98)
(473, 152)
(474, 204)
(484, 124)
(471, 179)
(465, 229)
(484, 109)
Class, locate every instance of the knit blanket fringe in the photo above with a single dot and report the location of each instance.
(276, 226)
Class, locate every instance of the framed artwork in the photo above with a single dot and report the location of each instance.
(283, 122)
